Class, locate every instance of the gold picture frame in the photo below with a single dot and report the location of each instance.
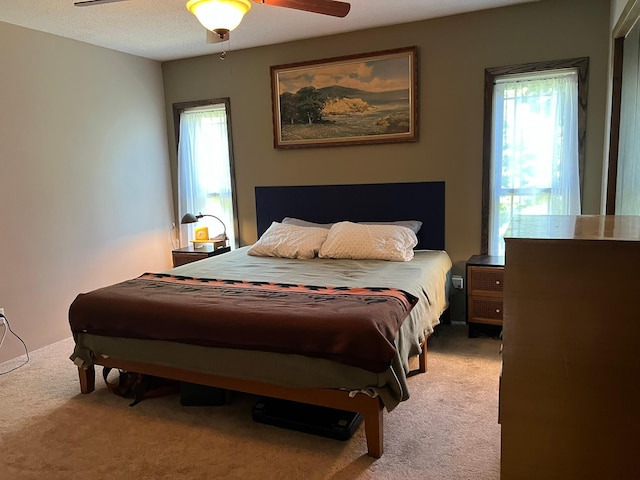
(351, 100)
(201, 233)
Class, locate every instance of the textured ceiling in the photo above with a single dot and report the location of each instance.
(165, 30)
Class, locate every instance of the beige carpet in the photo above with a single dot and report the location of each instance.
(447, 430)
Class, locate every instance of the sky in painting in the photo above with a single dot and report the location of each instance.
(379, 75)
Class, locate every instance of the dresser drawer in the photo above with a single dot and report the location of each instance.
(486, 280)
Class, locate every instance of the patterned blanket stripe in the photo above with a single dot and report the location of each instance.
(407, 299)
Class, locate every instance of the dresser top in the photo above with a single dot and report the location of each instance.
(578, 227)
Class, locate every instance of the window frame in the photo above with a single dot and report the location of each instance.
(490, 76)
(626, 22)
(180, 107)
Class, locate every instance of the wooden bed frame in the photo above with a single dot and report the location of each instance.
(369, 202)
(370, 408)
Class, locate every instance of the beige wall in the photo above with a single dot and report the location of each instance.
(85, 195)
(453, 53)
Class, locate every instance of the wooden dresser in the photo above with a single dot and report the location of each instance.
(570, 386)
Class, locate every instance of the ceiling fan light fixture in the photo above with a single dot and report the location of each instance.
(218, 15)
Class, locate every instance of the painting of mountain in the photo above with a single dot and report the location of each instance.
(366, 99)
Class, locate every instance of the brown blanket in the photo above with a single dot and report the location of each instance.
(354, 326)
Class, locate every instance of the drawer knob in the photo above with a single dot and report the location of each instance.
(497, 282)
(497, 310)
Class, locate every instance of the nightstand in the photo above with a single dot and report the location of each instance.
(184, 255)
(485, 283)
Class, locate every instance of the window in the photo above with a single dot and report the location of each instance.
(205, 167)
(532, 149)
(627, 200)
(623, 180)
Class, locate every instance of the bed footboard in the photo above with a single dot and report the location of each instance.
(370, 408)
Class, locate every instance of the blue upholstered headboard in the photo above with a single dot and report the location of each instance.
(380, 202)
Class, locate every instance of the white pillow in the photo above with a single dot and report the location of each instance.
(289, 241)
(359, 241)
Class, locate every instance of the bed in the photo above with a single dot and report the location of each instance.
(308, 357)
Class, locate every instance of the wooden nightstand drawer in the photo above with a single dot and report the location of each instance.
(486, 280)
(182, 256)
(485, 310)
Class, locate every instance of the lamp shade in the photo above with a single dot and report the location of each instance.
(189, 218)
(219, 14)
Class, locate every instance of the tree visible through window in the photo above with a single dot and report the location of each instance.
(534, 154)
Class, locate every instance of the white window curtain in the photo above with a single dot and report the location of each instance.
(534, 158)
(204, 172)
(628, 179)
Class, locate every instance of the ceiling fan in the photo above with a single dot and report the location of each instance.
(222, 16)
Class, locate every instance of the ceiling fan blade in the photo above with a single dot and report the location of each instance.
(88, 3)
(325, 7)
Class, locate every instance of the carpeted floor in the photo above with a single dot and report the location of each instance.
(447, 430)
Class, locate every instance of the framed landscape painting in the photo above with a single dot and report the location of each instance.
(352, 100)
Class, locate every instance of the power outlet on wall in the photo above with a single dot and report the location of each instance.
(3, 322)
